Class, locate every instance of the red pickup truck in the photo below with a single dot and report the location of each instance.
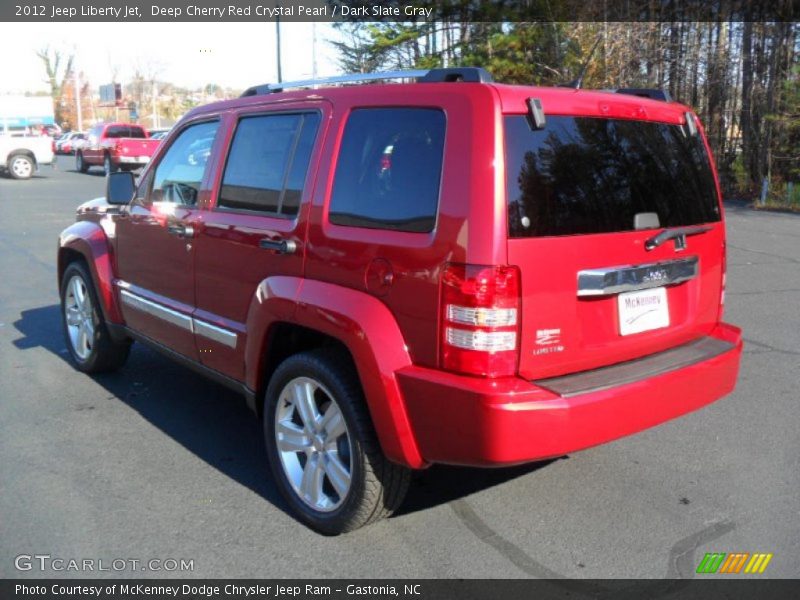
(115, 146)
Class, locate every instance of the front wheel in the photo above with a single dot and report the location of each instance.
(21, 166)
(80, 163)
(88, 341)
(322, 448)
(108, 165)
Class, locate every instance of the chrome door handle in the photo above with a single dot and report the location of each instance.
(180, 230)
(280, 246)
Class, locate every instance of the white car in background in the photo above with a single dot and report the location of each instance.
(21, 156)
(66, 143)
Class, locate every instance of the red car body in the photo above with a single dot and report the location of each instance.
(380, 293)
(118, 145)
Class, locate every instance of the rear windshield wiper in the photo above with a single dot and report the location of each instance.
(679, 235)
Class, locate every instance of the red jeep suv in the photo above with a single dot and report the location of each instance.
(445, 270)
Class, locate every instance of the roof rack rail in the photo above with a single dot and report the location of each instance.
(466, 74)
(652, 93)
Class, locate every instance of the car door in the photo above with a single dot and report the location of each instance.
(259, 201)
(155, 248)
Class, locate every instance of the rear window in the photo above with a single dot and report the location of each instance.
(389, 167)
(582, 175)
(125, 131)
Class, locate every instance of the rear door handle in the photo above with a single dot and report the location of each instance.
(279, 246)
(180, 230)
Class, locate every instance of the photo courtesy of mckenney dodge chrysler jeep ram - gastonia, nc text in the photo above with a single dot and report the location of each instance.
(395, 275)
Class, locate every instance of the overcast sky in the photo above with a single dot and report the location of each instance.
(235, 55)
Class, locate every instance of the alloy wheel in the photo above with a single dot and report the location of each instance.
(313, 444)
(79, 315)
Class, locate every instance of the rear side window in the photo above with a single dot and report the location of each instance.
(268, 162)
(582, 175)
(389, 169)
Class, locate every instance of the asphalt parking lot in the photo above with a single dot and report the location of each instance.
(155, 462)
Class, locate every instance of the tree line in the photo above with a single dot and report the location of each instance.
(741, 77)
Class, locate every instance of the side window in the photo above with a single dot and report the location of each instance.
(389, 169)
(268, 162)
(179, 174)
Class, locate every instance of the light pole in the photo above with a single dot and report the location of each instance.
(78, 111)
(313, 50)
(278, 43)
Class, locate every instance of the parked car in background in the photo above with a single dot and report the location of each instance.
(75, 144)
(115, 146)
(66, 143)
(450, 271)
(158, 134)
(75, 141)
(21, 156)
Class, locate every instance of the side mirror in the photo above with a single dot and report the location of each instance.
(120, 187)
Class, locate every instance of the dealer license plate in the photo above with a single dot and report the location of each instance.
(643, 310)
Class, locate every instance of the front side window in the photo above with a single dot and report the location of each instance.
(268, 163)
(389, 169)
(180, 172)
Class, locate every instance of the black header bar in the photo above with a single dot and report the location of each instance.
(397, 10)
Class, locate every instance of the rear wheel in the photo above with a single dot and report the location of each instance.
(21, 166)
(80, 164)
(323, 450)
(88, 341)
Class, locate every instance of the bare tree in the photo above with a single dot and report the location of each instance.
(58, 66)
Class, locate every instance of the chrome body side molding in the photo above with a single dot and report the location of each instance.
(217, 334)
(202, 328)
(156, 310)
(615, 280)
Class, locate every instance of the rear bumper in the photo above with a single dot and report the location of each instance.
(482, 422)
(132, 160)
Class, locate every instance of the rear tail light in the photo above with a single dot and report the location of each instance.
(480, 319)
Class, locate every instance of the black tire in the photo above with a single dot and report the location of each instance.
(104, 354)
(108, 165)
(377, 486)
(21, 166)
(80, 164)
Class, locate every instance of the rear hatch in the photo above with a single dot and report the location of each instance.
(585, 195)
(132, 140)
(137, 146)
